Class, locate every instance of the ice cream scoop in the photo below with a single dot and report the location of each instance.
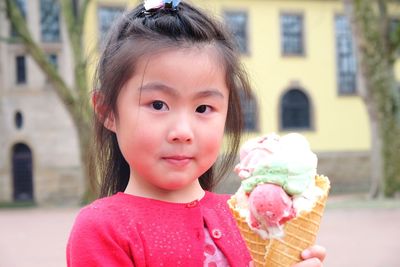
(287, 161)
(254, 153)
(269, 206)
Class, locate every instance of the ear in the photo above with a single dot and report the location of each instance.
(102, 112)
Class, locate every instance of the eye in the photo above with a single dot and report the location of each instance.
(159, 105)
(203, 109)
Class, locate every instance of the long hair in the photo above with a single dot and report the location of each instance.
(138, 33)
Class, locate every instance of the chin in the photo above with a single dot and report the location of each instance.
(175, 185)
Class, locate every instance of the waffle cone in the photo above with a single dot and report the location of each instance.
(300, 233)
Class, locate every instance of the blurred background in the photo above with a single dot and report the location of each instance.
(327, 69)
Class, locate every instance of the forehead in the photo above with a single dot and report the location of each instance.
(196, 67)
(192, 57)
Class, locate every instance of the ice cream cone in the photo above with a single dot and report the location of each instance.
(300, 233)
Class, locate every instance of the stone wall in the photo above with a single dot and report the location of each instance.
(349, 172)
(47, 128)
(49, 133)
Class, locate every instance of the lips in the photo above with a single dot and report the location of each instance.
(178, 160)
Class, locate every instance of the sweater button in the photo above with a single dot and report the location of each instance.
(216, 233)
(192, 204)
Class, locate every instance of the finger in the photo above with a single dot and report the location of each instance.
(313, 262)
(315, 251)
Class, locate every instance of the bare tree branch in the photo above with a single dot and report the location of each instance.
(82, 17)
(74, 24)
(384, 25)
(18, 22)
(75, 97)
(390, 36)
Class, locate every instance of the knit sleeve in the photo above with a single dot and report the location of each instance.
(96, 241)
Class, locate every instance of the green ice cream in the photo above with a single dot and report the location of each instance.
(292, 166)
(292, 183)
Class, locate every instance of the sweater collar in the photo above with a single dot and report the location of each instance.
(207, 197)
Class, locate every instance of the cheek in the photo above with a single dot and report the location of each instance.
(148, 134)
(134, 136)
(143, 140)
(212, 141)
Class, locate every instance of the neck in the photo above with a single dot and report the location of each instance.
(187, 194)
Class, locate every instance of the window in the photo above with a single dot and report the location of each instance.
(20, 69)
(394, 32)
(345, 58)
(295, 110)
(393, 25)
(107, 16)
(292, 34)
(237, 23)
(50, 20)
(53, 60)
(18, 120)
(250, 112)
(22, 8)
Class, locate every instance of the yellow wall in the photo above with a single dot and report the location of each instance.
(340, 122)
(91, 32)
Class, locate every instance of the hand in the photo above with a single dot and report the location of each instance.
(313, 257)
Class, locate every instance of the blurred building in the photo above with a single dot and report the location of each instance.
(299, 56)
(39, 159)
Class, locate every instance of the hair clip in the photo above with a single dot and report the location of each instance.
(153, 5)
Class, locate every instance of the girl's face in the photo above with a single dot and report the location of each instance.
(170, 119)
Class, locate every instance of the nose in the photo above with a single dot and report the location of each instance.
(181, 130)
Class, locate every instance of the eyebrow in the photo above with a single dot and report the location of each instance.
(156, 86)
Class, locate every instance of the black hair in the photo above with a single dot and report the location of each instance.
(138, 33)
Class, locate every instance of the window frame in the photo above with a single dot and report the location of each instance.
(16, 69)
(311, 126)
(14, 37)
(53, 59)
(303, 33)
(58, 38)
(339, 90)
(18, 120)
(246, 29)
(250, 107)
(100, 34)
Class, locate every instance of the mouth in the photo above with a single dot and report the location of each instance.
(178, 160)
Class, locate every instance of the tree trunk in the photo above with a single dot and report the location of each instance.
(85, 132)
(388, 130)
(391, 151)
(378, 91)
(376, 160)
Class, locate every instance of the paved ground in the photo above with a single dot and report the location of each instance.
(366, 237)
(355, 233)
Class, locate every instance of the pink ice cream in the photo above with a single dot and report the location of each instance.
(270, 206)
(254, 153)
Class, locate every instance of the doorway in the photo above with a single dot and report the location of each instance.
(22, 173)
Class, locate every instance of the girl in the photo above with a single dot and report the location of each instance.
(168, 88)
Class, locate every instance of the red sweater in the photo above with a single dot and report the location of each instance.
(126, 230)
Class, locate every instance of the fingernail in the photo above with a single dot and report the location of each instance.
(306, 254)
